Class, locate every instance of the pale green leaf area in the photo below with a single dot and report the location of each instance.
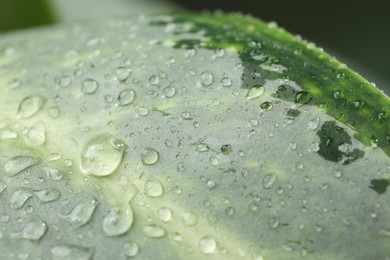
(114, 144)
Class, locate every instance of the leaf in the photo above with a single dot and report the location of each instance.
(186, 137)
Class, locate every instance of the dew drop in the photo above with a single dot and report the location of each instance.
(3, 186)
(53, 173)
(89, 86)
(130, 249)
(226, 82)
(70, 253)
(81, 213)
(255, 92)
(142, 111)
(207, 245)
(266, 106)
(126, 97)
(19, 197)
(154, 80)
(164, 214)
(154, 231)
(54, 112)
(122, 73)
(190, 219)
(206, 78)
(153, 188)
(48, 195)
(169, 92)
(118, 221)
(211, 184)
(64, 81)
(226, 149)
(30, 106)
(213, 161)
(269, 180)
(102, 155)
(149, 156)
(19, 163)
(36, 135)
(202, 147)
(302, 97)
(32, 231)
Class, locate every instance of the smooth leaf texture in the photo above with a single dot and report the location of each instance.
(190, 136)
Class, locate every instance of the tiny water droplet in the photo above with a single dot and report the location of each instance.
(266, 106)
(19, 197)
(82, 212)
(302, 97)
(142, 111)
(126, 97)
(202, 147)
(130, 249)
(169, 92)
(89, 86)
(211, 184)
(226, 149)
(226, 82)
(154, 80)
(164, 214)
(36, 135)
(154, 231)
(207, 245)
(149, 156)
(313, 124)
(189, 218)
(18, 164)
(118, 221)
(54, 112)
(53, 174)
(153, 188)
(70, 253)
(213, 161)
(269, 180)
(64, 81)
(122, 73)
(48, 195)
(102, 155)
(255, 92)
(30, 106)
(206, 78)
(3, 186)
(339, 94)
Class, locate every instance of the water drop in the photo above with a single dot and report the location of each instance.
(149, 156)
(313, 124)
(226, 149)
(206, 78)
(53, 173)
(102, 155)
(48, 195)
(3, 186)
(81, 213)
(169, 92)
(130, 249)
(142, 111)
(226, 82)
(207, 245)
(70, 253)
(186, 115)
(30, 106)
(64, 81)
(202, 147)
(126, 97)
(190, 219)
(89, 86)
(154, 231)
(269, 180)
(19, 163)
(122, 73)
(36, 135)
(266, 106)
(211, 184)
(154, 80)
(19, 197)
(302, 97)
(164, 214)
(118, 221)
(255, 92)
(32, 231)
(339, 94)
(54, 112)
(213, 161)
(153, 188)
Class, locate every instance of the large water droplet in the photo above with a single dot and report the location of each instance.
(89, 86)
(102, 155)
(149, 156)
(154, 231)
(71, 253)
(255, 92)
(164, 214)
(118, 221)
(30, 106)
(19, 163)
(153, 188)
(130, 249)
(206, 78)
(207, 245)
(122, 73)
(32, 230)
(19, 197)
(302, 97)
(82, 212)
(48, 195)
(36, 135)
(126, 97)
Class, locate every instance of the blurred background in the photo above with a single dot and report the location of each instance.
(356, 32)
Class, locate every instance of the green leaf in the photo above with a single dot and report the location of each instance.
(188, 136)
